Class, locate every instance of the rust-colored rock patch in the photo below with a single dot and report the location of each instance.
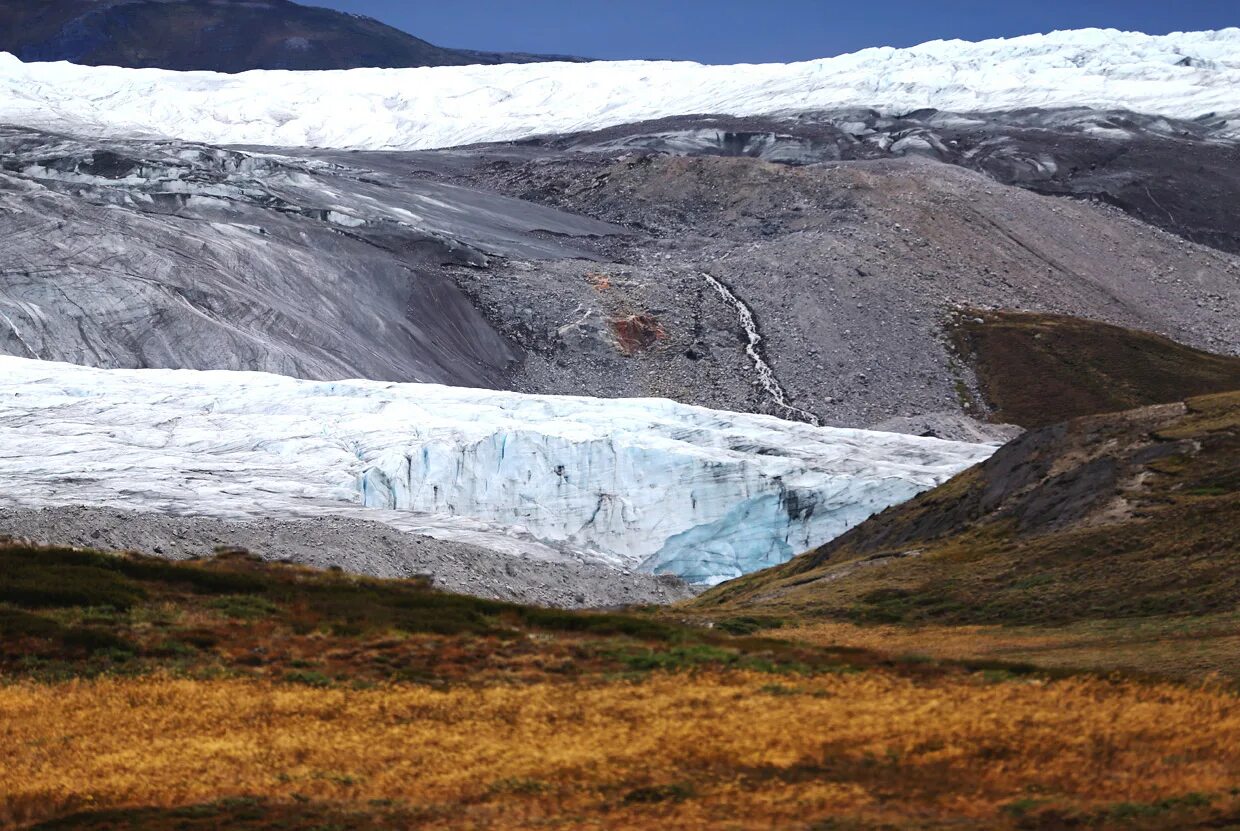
(637, 333)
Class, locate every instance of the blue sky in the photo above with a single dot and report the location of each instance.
(735, 31)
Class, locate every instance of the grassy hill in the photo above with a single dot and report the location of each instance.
(1040, 369)
(141, 694)
(1117, 515)
(1110, 540)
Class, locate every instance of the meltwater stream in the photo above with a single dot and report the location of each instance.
(766, 375)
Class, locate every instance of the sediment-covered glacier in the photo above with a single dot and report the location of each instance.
(636, 483)
(166, 254)
(1184, 75)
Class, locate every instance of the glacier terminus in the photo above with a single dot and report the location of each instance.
(645, 484)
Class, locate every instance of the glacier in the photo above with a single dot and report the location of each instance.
(1183, 75)
(645, 484)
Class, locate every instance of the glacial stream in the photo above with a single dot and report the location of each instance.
(766, 375)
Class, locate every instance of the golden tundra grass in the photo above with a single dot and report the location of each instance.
(712, 749)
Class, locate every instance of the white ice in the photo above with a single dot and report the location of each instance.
(635, 483)
(445, 106)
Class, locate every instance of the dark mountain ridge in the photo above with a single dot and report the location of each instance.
(219, 35)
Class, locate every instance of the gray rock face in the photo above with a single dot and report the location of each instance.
(173, 255)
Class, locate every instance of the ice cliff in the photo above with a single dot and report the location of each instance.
(1185, 75)
(636, 483)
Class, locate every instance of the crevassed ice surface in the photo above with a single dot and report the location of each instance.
(1184, 75)
(640, 483)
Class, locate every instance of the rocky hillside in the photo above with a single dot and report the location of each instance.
(218, 35)
(1173, 173)
(813, 292)
(1112, 516)
(848, 272)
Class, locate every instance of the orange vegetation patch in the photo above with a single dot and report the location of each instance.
(693, 750)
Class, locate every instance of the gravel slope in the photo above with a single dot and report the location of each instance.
(356, 546)
(850, 270)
